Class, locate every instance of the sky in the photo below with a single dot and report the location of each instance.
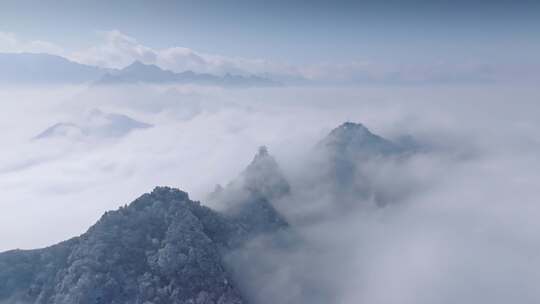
(298, 32)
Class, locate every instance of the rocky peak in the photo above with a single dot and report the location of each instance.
(247, 200)
(354, 139)
(138, 65)
(350, 130)
(262, 152)
(263, 176)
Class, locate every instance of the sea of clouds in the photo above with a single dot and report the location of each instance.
(462, 226)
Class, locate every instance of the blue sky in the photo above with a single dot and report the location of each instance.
(300, 32)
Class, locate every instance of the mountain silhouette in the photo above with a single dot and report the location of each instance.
(139, 72)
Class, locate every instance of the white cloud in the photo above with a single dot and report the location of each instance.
(118, 50)
(10, 43)
(469, 232)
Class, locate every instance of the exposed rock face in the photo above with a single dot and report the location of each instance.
(162, 248)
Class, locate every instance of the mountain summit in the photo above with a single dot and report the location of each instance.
(347, 164)
(355, 138)
(248, 198)
(263, 177)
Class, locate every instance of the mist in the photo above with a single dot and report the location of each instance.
(459, 224)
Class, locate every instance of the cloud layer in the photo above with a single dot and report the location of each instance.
(119, 50)
(10, 43)
(465, 232)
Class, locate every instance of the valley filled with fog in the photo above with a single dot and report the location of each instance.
(451, 220)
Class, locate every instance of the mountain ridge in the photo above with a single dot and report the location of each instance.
(139, 72)
(43, 69)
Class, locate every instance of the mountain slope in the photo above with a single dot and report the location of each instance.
(162, 248)
(26, 68)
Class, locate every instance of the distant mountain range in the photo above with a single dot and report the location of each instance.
(32, 69)
(95, 124)
(26, 68)
(165, 248)
(139, 72)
